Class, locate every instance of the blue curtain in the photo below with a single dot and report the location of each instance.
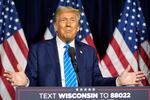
(101, 14)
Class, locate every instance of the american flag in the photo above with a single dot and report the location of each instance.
(13, 46)
(129, 44)
(84, 34)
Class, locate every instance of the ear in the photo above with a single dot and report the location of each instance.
(55, 27)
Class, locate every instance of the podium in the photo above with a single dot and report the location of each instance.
(83, 93)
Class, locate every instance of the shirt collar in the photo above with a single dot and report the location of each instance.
(62, 44)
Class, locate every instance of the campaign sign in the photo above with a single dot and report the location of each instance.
(83, 93)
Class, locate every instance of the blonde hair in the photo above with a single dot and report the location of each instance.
(61, 9)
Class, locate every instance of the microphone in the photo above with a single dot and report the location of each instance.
(72, 54)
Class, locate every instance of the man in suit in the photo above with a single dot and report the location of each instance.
(46, 62)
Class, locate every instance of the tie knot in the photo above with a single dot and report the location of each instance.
(67, 46)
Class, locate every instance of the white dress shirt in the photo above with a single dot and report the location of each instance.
(61, 50)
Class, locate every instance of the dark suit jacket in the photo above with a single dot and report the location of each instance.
(43, 68)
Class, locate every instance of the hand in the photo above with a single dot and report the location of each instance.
(17, 78)
(130, 78)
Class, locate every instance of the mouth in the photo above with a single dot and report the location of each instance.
(68, 30)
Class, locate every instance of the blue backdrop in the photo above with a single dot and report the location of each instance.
(101, 14)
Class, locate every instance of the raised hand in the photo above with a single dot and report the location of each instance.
(17, 78)
(130, 78)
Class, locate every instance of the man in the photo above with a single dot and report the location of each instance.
(46, 60)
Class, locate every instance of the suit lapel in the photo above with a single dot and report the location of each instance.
(80, 60)
(53, 52)
(79, 53)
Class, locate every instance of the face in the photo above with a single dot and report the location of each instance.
(67, 25)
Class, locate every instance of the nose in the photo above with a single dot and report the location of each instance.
(68, 23)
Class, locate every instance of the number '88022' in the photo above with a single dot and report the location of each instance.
(120, 95)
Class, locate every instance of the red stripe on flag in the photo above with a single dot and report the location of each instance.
(145, 82)
(91, 43)
(1, 97)
(8, 86)
(21, 44)
(149, 41)
(144, 57)
(110, 66)
(10, 55)
(119, 53)
(121, 56)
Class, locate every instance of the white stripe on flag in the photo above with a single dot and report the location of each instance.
(105, 72)
(146, 47)
(23, 36)
(48, 34)
(91, 36)
(84, 41)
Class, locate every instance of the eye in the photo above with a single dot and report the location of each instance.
(73, 19)
(62, 20)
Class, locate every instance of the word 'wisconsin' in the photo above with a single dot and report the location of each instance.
(68, 95)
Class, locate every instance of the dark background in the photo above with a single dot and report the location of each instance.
(102, 16)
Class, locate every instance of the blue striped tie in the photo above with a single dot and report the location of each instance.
(70, 76)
